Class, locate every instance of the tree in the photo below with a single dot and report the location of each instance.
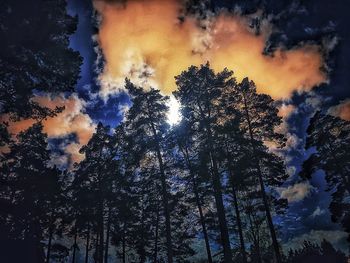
(331, 138)
(234, 149)
(55, 206)
(35, 55)
(146, 119)
(182, 137)
(260, 119)
(199, 92)
(29, 191)
(93, 186)
(314, 253)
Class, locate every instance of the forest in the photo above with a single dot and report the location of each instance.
(202, 190)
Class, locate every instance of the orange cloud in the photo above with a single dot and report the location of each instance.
(71, 120)
(342, 110)
(145, 38)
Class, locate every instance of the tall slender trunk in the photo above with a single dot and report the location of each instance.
(75, 245)
(142, 237)
(255, 237)
(100, 221)
(96, 247)
(262, 186)
(199, 206)
(87, 243)
(221, 211)
(124, 244)
(101, 233)
(235, 204)
(169, 244)
(155, 254)
(239, 223)
(49, 243)
(204, 228)
(107, 234)
(220, 208)
(32, 237)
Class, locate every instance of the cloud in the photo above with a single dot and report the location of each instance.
(296, 192)
(318, 212)
(59, 160)
(72, 120)
(291, 170)
(286, 110)
(293, 141)
(72, 151)
(145, 41)
(342, 110)
(337, 238)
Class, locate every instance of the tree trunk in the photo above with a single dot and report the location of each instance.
(155, 260)
(221, 211)
(101, 234)
(256, 160)
(169, 244)
(220, 208)
(239, 223)
(107, 234)
(75, 245)
(124, 244)
(199, 206)
(96, 248)
(204, 228)
(87, 243)
(49, 244)
(142, 234)
(255, 237)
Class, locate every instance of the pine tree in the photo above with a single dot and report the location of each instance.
(199, 92)
(35, 54)
(183, 139)
(93, 186)
(147, 121)
(331, 137)
(234, 149)
(315, 253)
(28, 192)
(56, 206)
(260, 119)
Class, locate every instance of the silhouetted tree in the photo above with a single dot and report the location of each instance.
(183, 139)
(93, 186)
(199, 92)
(260, 120)
(147, 118)
(314, 253)
(331, 138)
(35, 54)
(29, 192)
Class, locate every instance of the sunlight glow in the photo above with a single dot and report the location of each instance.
(174, 115)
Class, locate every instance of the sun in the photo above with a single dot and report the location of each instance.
(174, 115)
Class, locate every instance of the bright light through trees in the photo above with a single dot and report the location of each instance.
(174, 115)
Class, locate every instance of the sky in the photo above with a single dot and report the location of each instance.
(295, 52)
